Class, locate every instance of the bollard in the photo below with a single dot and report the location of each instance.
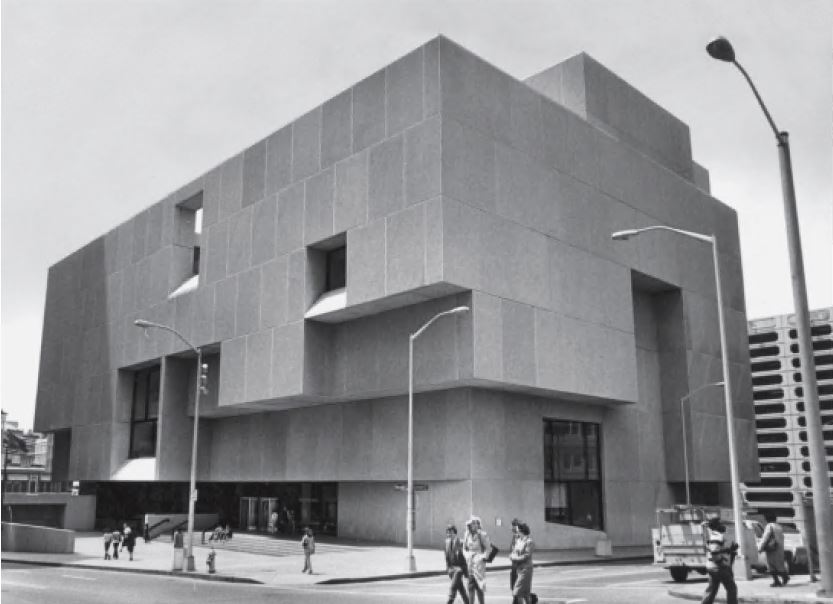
(212, 555)
(604, 547)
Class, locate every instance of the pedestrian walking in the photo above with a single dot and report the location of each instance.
(521, 558)
(455, 563)
(129, 540)
(108, 539)
(273, 523)
(719, 558)
(476, 547)
(308, 543)
(772, 542)
(513, 573)
(116, 543)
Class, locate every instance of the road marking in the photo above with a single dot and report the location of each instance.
(26, 585)
(79, 577)
(635, 582)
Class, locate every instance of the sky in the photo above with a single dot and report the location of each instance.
(107, 107)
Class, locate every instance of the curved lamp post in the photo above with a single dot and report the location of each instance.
(409, 529)
(685, 446)
(745, 573)
(721, 49)
(192, 493)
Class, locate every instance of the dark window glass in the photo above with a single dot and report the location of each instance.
(760, 338)
(195, 266)
(765, 395)
(766, 351)
(572, 474)
(774, 422)
(144, 413)
(336, 268)
(805, 465)
(817, 345)
(776, 481)
(752, 496)
(766, 366)
(823, 390)
(773, 408)
(775, 466)
(815, 330)
(774, 452)
(778, 437)
(767, 380)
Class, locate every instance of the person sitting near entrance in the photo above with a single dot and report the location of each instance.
(218, 534)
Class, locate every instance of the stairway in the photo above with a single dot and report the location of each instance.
(266, 545)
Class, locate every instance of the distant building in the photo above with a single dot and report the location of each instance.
(779, 411)
(437, 181)
(27, 468)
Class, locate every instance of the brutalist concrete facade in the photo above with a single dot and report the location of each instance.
(450, 182)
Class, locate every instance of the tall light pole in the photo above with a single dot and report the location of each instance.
(721, 49)
(409, 528)
(192, 492)
(745, 572)
(685, 446)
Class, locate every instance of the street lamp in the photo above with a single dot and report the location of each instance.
(201, 372)
(685, 446)
(721, 49)
(409, 528)
(745, 574)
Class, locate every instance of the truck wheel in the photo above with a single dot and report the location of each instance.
(679, 573)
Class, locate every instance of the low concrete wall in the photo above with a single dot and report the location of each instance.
(28, 538)
(78, 511)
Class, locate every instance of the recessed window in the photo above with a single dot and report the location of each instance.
(815, 330)
(572, 474)
(760, 338)
(767, 380)
(775, 422)
(766, 351)
(145, 413)
(765, 395)
(766, 366)
(775, 466)
(336, 262)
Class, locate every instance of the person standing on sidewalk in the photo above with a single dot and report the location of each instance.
(455, 564)
(129, 540)
(719, 558)
(521, 557)
(772, 542)
(476, 547)
(108, 539)
(116, 542)
(308, 543)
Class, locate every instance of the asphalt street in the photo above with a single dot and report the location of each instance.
(603, 584)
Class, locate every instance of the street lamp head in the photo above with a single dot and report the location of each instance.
(721, 49)
(623, 235)
(142, 323)
(460, 309)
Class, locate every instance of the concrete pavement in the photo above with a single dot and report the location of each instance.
(339, 561)
(334, 561)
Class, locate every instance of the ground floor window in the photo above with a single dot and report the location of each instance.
(145, 413)
(572, 474)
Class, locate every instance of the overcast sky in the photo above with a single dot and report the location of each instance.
(109, 106)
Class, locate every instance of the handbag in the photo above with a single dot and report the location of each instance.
(771, 544)
(491, 556)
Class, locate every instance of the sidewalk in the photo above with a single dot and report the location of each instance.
(799, 591)
(346, 563)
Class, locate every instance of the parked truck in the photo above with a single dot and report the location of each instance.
(678, 539)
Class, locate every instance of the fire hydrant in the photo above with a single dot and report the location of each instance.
(210, 561)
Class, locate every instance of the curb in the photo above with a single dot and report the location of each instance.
(439, 573)
(684, 595)
(143, 571)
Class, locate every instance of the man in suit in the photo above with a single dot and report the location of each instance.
(455, 564)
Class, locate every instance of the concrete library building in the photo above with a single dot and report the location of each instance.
(300, 267)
